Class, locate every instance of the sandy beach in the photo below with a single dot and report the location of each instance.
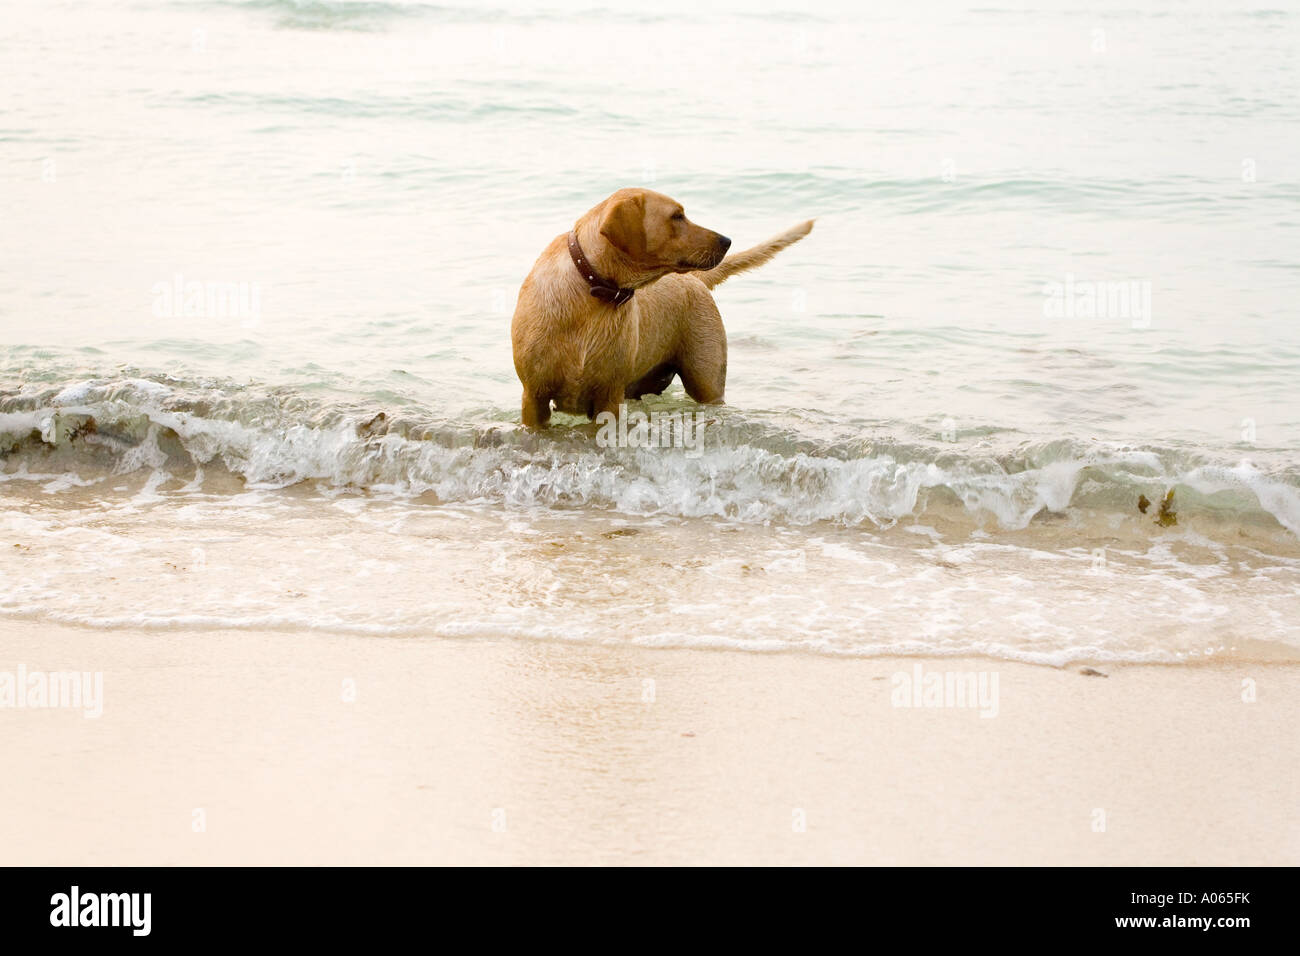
(221, 747)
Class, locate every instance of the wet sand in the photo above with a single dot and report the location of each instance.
(223, 747)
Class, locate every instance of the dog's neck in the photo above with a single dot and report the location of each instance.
(610, 262)
(606, 290)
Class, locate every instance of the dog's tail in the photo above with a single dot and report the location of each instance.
(753, 258)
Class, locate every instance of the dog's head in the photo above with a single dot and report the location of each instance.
(652, 233)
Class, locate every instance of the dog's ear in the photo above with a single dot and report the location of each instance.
(623, 224)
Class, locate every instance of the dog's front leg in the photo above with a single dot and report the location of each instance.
(606, 399)
(536, 411)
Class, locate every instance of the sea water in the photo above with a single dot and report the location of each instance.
(260, 258)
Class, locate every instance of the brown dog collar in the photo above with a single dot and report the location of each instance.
(601, 288)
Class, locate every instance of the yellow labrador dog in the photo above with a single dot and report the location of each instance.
(621, 305)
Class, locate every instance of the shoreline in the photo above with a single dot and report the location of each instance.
(364, 566)
(521, 752)
(1258, 654)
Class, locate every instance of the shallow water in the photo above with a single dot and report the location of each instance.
(909, 381)
(350, 564)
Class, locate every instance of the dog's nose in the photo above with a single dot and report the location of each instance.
(724, 244)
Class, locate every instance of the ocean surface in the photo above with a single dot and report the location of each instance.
(258, 261)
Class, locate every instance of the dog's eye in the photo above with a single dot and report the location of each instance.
(679, 215)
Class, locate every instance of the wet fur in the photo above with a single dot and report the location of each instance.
(584, 355)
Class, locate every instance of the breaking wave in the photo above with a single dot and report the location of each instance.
(743, 469)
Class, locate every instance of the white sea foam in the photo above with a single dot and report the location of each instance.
(760, 479)
(389, 567)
